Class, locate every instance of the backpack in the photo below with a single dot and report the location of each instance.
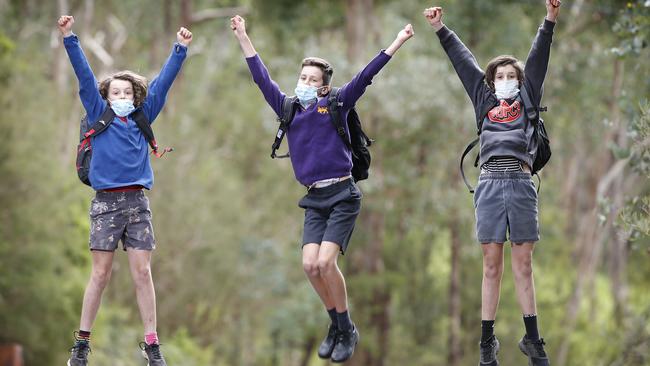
(539, 143)
(87, 132)
(358, 142)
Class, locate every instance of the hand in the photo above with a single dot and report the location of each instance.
(238, 25)
(552, 9)
(406, 33)
(184, 36)
(434, 17)
(64, 24)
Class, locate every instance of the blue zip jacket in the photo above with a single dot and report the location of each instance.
(121, 153)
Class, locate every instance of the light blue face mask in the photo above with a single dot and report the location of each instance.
(122, 107)
(306, 93)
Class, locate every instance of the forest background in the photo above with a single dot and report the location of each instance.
(227, 270)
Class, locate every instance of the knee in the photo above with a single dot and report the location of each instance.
(522, 267)
(326, 266)
(311, 268)
(142, 274)
(492, 270)
(101, 276)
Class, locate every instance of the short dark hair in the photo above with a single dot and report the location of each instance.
(138, 82)
(503, 60)
(322, 64)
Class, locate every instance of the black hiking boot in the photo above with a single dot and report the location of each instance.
(346, 340)
(327, 346)
(489, 351)
(535, 351)
(151, 353)
(79, 352)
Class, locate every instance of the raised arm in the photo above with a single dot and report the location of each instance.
(159, 87)
(464, 62)
(270, 89)
(92, 101)
(540, 51)
(353, 90)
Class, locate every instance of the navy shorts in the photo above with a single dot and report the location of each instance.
(330, 213)
(506, 203)
(125, 216)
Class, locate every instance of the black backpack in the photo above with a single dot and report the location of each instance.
(539, 143)
(87, 132)
(358, 142)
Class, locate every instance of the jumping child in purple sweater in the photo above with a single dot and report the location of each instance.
(323, 163)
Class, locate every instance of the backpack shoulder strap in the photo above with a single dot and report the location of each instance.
(532, 110)
(289, 107)
(335, 113)
(98, 126)
(462, 158)
(143, 124)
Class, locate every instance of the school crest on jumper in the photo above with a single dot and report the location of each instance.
(322, 110)
(505, 113)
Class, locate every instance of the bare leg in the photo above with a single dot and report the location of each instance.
(310, 254)
(332, 275)
(140, 265)
(99, 277)
(492, 273)
(522, 269)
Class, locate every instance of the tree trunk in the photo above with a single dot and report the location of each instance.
(592, 236)
(454, 355)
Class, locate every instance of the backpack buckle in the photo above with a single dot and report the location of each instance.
(340, 130)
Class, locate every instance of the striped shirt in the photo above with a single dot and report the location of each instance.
(500, 164)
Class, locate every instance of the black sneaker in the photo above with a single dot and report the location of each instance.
(152, 353)
(327, 346)
(346, 340)
(79, 352)
(489, 351)
(535, 351)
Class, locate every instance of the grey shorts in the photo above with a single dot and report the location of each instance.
(122, 216)
(506, 203)
(330, 213)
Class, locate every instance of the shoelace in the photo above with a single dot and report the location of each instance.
(343, 335)
(154, 349)
(486, 352)
(332, 331)
(80, 349)
(539, 347)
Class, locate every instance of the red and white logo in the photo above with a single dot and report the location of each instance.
(505, 113)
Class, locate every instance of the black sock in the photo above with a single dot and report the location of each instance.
(344, 321)
(333, 317)
(83, 335)
(487, 330)
(530, 321)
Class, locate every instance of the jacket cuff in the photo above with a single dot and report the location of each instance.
(443, 32)
(548, 26)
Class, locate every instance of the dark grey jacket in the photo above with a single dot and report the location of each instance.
(514, 139)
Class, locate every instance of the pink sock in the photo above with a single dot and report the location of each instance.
(151, 338)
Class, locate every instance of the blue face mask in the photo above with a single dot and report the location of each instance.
(306, 93)
(122, 107)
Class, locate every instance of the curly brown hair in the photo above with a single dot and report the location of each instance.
(503, 60)
(138, 82)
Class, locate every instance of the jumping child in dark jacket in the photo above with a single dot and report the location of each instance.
(322, 163)
(505, 198)
(119, 173)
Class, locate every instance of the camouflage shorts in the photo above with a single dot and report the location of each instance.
(121, 215)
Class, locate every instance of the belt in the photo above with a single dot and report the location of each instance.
(123, 189)
(327, 182)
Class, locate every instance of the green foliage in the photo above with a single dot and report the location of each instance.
(230, 287)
